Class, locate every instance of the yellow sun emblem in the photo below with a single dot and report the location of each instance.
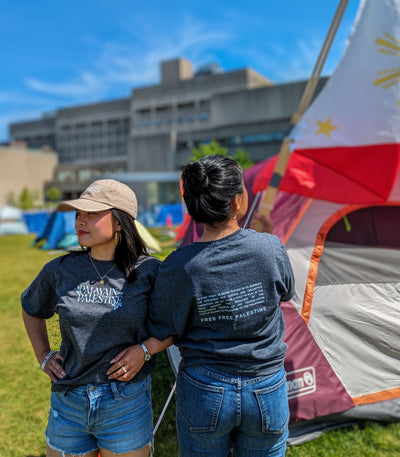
(390, 76)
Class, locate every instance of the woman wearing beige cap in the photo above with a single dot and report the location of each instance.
(100, 376)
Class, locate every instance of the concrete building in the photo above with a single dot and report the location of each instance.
(25, 168)
(157, 127)
(35, 133)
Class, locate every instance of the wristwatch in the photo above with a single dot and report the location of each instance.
(147, 355)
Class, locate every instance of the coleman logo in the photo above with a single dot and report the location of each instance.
(301, 382)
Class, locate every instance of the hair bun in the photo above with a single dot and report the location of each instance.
(209, 185)
(197, 177)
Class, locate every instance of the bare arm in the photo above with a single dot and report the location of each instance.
(129, 361)
(37, 331)
(154, 346)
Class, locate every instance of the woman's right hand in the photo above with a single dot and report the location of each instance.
(264, 220)
(53, 366)
(37, 332)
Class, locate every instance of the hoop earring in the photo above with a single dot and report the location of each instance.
(117, 238)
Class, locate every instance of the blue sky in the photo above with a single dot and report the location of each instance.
(56, 54)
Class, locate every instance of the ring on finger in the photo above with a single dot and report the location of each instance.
(123, 367)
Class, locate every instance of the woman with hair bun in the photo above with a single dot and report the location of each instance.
(219, 297)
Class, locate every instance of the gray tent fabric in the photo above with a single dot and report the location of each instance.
(302, 432)
(342, 263)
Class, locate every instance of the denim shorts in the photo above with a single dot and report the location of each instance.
(217, 411)
(116, 416)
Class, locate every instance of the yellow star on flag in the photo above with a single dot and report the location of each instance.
(326, 127)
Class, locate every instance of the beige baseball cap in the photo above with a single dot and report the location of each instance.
(101, 195)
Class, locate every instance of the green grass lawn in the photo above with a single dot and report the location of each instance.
(25, 390)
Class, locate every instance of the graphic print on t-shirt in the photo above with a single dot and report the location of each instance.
(101, 295)
(233, 304)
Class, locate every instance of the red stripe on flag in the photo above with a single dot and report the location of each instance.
(358, 174)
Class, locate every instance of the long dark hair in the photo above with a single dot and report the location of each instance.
(131, 245)
(209, 185)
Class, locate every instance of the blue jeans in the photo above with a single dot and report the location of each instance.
(215, 411)
(116, 416)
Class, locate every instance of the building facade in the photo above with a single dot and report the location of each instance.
(157, 127)
(22, 168)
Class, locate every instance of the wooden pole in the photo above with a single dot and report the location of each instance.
(284, 153)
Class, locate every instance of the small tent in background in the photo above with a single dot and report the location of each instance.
(12, 221)
(148, 238)
(169, 214)
(36, 220)
(59, 233)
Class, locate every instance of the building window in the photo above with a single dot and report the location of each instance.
(84, 175)
(64, 175)
(263, 137)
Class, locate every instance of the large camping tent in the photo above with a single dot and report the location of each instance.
(343, 324)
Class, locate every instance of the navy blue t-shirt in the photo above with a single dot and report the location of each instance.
(96, 321)
(221, 302)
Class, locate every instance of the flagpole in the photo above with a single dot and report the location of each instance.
(284, 153)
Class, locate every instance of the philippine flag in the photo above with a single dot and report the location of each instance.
(345, 148)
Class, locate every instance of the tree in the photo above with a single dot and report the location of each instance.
(241, 156)
(53, 194)
(208, 149)
(26, 199)
(11, 199)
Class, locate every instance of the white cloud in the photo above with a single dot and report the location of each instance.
(16, 98)
(86, 85)
(131, 63)
(275, 62)
(301, 63)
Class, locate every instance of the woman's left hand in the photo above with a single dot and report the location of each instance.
(127, 363)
